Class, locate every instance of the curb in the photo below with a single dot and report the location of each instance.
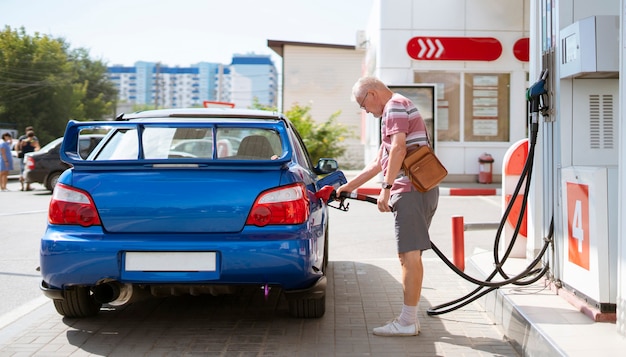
(443, 191)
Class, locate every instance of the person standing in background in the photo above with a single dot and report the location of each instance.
(25, 144)
(6, 160)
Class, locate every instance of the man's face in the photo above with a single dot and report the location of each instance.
(369, 103)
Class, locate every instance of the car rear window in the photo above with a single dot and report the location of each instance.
(231, 143)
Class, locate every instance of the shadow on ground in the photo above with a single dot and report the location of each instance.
(360, 296)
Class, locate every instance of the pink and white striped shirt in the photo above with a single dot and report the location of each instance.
(400, 115)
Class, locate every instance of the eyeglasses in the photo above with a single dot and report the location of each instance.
(363, 101)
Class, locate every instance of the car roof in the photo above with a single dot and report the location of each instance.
(204, 113)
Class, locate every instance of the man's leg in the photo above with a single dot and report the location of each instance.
(412, 276)
(407, 323)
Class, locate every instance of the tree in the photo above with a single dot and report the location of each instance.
(44, 84)
(321, 139)
(97, 92)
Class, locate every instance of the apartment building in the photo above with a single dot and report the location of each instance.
(155, 84)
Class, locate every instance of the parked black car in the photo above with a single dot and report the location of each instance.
(45, 166)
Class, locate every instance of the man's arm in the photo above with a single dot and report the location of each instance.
(368, 173)
(396, 156)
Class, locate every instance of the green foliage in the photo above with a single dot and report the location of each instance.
(322, 140)
(44, 84)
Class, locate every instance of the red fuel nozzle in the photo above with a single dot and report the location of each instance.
(326, 193)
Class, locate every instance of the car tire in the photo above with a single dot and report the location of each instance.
(307, 307)
(77, 302)
(52, 180)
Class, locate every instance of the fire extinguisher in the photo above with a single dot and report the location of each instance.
(485, 168)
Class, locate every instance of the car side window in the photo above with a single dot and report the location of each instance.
(302, 155)
(86, 145)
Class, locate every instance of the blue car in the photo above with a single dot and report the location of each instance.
(142, 215)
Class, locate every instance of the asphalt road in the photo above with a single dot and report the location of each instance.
(23, 217)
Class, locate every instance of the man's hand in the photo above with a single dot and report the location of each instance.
(383, 201)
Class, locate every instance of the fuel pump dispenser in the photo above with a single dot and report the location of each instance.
(589, 71)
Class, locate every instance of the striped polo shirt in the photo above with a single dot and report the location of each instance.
(400, 115)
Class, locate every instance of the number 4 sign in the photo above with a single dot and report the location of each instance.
(578, 224)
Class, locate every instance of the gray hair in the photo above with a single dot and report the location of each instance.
(365, 84)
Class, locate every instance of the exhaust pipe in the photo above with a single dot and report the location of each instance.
(113, 293)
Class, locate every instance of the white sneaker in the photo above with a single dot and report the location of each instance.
(394, 328)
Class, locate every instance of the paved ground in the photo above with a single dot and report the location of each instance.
(363, 292)
(361, 295)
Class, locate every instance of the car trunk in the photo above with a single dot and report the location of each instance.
(166, 200)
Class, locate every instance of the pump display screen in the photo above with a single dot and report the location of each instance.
(570, 48)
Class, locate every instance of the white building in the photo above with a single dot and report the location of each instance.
(321, 76)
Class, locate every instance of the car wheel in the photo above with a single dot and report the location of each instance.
(77, 302)
(307, 307)
(52, 180)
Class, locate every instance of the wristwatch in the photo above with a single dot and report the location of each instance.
(386, 186)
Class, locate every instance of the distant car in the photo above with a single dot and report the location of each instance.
(45, 166)
(166, 205)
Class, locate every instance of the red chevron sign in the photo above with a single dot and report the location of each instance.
(454, 48)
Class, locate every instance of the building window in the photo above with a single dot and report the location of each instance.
(479, 101)
(487, 107)
(448, 103)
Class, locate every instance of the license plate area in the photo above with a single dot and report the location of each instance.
(170, 266)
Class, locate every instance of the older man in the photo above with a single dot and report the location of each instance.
(402, 129)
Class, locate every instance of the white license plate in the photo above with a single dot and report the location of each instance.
(170, 261)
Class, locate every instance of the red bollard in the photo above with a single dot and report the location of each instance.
(458, 242)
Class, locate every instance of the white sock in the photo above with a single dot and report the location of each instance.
(408, 316)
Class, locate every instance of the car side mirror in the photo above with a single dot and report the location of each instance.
(326, 166)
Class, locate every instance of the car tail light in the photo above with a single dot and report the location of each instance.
(72, 206)
(283, 205)
(30, 163)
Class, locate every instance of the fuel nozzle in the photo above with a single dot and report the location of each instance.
(537, 91)
(326, 193)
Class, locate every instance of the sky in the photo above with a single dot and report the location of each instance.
(184, 32)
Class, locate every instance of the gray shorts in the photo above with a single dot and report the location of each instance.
(413, 212)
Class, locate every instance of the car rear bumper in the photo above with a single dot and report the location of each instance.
(86, 256)
(34, 176)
